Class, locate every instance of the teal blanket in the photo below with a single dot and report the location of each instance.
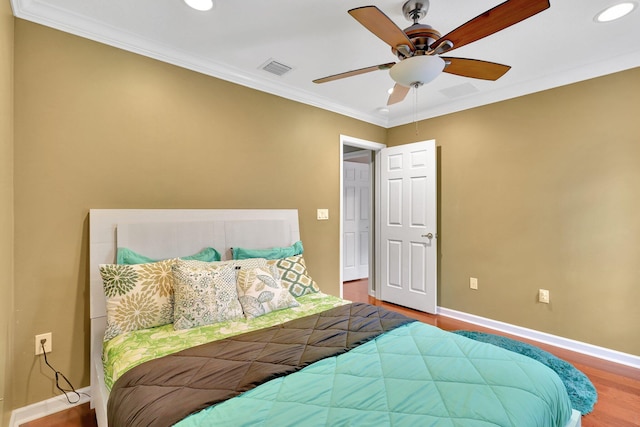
(415, 375)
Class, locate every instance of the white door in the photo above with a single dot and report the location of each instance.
(407, 234)
(356, 179)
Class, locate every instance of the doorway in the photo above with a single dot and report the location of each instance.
(357, 249)
(356, 221)
(402, 237)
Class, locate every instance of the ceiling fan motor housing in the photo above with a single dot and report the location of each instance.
(422, 37)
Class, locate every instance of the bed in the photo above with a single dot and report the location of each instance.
(320, 361)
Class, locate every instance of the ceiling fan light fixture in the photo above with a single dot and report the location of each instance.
(417, 70)
(202, 5)
(614, 12)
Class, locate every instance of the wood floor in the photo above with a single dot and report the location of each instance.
(81, 415)
(618, 386)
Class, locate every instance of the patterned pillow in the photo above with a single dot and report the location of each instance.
(204, 295)
(294, 275)
(260, 292)
(138, 296)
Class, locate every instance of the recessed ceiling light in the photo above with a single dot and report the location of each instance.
(200, 4)
(390, 91)
(383, 110)
(614, 12)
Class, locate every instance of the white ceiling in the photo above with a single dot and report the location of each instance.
(317, 38)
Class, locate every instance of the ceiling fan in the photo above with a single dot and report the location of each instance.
(419, 46)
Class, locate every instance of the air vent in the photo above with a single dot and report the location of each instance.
(459, 90)
(275, 67)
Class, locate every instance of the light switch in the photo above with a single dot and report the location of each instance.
(323, 214)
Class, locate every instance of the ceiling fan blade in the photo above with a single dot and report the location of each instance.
(399, 93)
(500, 17)
(355, 72)
(374, 20)
(475, 68)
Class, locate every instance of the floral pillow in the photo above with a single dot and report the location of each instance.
(294, 275)
(260, 292)
(204, 295)
(138, 296)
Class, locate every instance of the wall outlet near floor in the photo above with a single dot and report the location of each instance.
(473, 283)
(543, 296)
(48, 344)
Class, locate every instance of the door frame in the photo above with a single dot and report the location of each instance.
(375, 147)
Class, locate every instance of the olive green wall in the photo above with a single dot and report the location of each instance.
(6, 204)
(543, 191)
(98, 127)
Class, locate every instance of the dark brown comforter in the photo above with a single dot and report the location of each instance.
(161, 392)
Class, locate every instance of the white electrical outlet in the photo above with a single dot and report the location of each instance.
(543, 296)
(473, 283)
(48, 345)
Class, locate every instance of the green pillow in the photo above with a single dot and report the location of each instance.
(271, 253)
(129, 257)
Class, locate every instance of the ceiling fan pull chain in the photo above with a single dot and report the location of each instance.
(415, 106)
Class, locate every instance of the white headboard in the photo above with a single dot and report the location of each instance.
(167, 233)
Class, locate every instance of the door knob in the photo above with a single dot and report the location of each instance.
(428, 235)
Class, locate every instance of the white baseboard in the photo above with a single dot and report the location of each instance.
(46, 407)
(554, 340)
